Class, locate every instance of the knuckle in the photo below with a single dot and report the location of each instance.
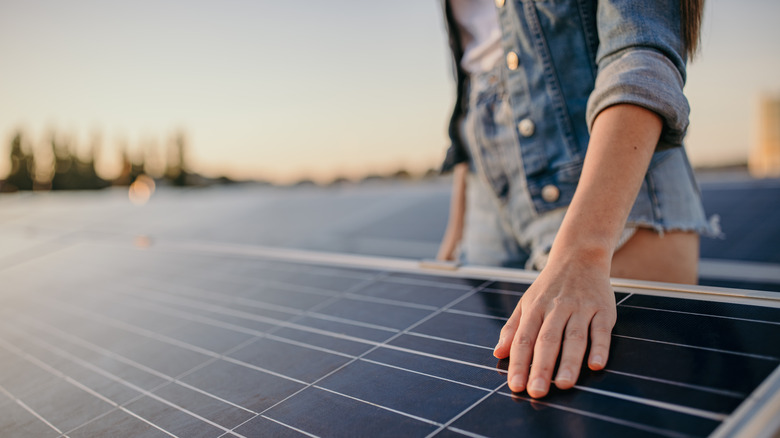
(575, 335)
(548, 337)
(601, 330)
(524, 340)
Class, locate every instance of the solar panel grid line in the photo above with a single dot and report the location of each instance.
(757, 416)
(624, 336)
(389, 301)
(462, 413)
(28, 409)
(660, 404)
(436, 356)
(395, 411)
(289, 427)
(167, 378)
(373, 348)
(374, 344)
(251, 316)
(19, 352)
(718, 391)
(141, 391)
(423, 374)
(715, 350)
(632, 424)
(116, 406)
(253, 332)
(452, 341)
(760, 321)
(465, 312)
(465, 433)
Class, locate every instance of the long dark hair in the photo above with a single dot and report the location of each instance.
(691, 12)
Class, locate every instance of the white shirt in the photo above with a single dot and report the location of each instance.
(480, 34)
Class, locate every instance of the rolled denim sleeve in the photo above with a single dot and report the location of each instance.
(641, 61)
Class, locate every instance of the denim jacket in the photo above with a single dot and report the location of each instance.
(567, 60)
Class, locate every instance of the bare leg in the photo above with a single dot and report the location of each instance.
(671, 258)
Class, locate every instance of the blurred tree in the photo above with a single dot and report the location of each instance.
(22, 166)
(176, 171)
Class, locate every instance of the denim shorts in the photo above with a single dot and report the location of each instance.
(502, 228)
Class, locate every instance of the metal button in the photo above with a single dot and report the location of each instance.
(526, 127)
(499, 3)
(550, 193)
(512, 61)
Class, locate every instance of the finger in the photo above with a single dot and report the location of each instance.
(575, 343)
(600, 337)
(507, 334)
(548, 345)
(522, 349)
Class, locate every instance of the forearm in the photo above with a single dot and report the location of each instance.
(454, 232)
(622, 143)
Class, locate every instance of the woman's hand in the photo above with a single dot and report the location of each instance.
(571, 301)
(568, 303)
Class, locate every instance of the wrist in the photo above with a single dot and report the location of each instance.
(590, 255)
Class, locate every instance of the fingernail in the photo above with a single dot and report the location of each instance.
(500, 342)
(563, 376)
(537, 385)
(597, 360)
(516, 383)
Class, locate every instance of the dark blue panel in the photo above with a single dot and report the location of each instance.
(166, 358)
(504, 286)
(16, 421)
(413, 293)
(63, 404)
(465, 353)
(333, 342)
(312, 410)
(702, 331)
(729, 310)
(262, 427)
(242, 385)
(118, 424)
(502, 415)
(694, 366)
(385, 315)
(422, 396)
(666, 392)
(210, 408)
(334, 283)
(627, 411)
(300, 363)
(340, 328)
(300, 300)
(489, 302)
(466, 283)
(464, 328)
(207, 336)
(171, 419)
(459, 372)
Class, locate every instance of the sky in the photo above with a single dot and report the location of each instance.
(281, 91)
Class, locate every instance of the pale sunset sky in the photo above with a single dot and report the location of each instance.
(284, 90)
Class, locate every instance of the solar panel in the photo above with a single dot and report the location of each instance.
(102, 339)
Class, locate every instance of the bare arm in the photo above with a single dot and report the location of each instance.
(572, 299)
(454, 231)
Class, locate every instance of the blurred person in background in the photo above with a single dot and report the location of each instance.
(567, 153)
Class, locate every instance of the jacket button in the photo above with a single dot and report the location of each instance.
(512, 61)
(526, 127)
(499, 3)
(550, 193)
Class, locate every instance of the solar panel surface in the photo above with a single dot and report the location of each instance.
(180, 341)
